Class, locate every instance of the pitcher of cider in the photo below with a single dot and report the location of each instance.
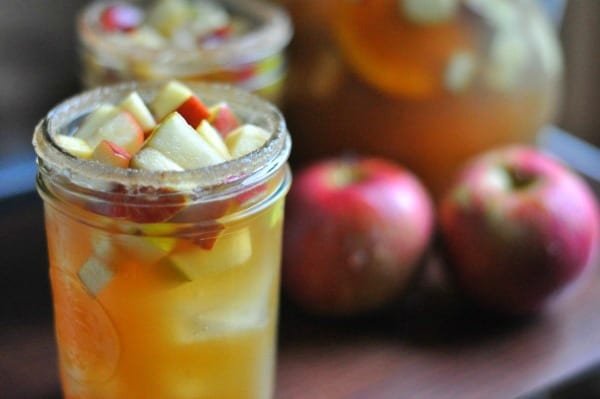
(428, 83)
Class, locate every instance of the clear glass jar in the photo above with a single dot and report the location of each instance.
(428, 83)
(253, 60)
(165, 285)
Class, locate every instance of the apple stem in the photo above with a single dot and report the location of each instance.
(518, 178)
(344, 175)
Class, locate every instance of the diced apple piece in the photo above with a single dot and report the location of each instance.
(141, 204)
(193, 111)
(425, 12)
(147, 250)
(204, 19)
(111, 154)
(150, 159)
(175, 96)
(134, 104)
(94, 120)
(144, 36)
(182, 144)
(169, 98)
(74, 146)
(212, 137)
(123, 130)
(121, 18)
(215, 305)
(230, 250)
(167, 15)
(98, 270)
(246, 139)
(223, 119)
(95, 274)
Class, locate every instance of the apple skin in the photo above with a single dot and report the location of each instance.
(193, 111)
(223, 119)
(517, 228)
(121, 18)
(111, 154)
(355, 232)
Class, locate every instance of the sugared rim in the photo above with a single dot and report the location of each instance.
(251, 168)
(271, 35)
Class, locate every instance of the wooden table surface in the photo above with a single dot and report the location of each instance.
(430, 346)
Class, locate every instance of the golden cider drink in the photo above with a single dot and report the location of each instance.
(181, 308)
(428, 83)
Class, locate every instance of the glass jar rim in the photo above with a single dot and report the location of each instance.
(272, 34)
(250, 169)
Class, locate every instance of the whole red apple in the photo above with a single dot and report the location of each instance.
(517, 228)
(355, 232)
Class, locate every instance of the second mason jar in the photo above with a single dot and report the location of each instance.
(232, 41)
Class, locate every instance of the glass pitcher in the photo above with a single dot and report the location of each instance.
(428, 83)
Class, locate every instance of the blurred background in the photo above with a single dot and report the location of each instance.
(39, 68)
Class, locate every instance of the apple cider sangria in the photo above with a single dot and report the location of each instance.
(239, 42)
(164, 208)
(428, 83)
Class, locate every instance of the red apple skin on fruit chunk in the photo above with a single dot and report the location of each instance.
(120, 18)
(355, 233)
(175, 96)
(193, 111)
(223, 119)
(518, 227)
(140, 205)
(111, 154)
(121, 129)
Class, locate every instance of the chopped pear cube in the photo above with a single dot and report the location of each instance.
(246, 139)
(178, 141)
(212, 137)
(150, 159)
(74, 146)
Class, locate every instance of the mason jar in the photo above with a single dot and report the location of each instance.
(164, 284)
(253, 59)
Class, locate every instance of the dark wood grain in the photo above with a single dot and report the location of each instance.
(438, 347)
